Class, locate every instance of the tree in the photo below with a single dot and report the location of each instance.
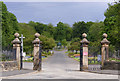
(47, 43)
(47, 34)
(68, 32)
(40, 27)
(79, 28)
(28, 32)
(95, 32)
(75, 46)
(32, 23)
(60, 31)
(77, 39)
(9, 26)
(112, 23)
(64, 42)
(50, 29)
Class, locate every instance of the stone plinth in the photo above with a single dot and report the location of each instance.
(16, 45)
(85, 43)
(36, 60)
(111, 65)
(105, 49)
(8, 65)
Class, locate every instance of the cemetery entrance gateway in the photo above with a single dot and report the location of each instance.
(93, 58)
(18, 47)
(37, 61)
(85, 53)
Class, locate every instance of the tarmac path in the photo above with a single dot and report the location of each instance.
(60, 66)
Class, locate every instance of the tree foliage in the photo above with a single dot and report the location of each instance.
(28, 32)
(9, 26)
(64, 42)
(62, 32)
(79, 28)
(112, 23)
(47, 43)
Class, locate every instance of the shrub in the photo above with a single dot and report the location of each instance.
(70, 54)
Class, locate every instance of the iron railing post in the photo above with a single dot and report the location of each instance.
(81, 58)
(40, 58)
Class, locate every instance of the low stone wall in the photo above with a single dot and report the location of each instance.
(8, 65)
(111, 65)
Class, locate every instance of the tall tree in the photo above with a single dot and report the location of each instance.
(79, 28)
(60, 32)
(96, 31)
(9, 26)
(112, 23)
(28, 32)
(68, 32)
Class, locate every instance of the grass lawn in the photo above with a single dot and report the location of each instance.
(114, 59)
(31, 59)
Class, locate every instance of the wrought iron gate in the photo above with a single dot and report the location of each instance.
(8, 54)
(94, 58)
(21, 57)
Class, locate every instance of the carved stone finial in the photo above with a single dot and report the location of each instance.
(37, 35)
(16, 40)
(84, 35)
(37, 40)
(105, 35)
(16, 35)
(105, 41)
(84, 41)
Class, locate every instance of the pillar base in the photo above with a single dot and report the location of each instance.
(85, 68)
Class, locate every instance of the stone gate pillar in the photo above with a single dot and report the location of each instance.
(85, 43)
(16, 46)
(36, 60)
(105, 49)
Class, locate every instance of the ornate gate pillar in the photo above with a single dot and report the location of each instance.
(85, 43)
(105, 49)
(36, 52)
(16, 46)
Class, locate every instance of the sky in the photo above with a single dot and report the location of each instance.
(59, 0)
(54, 12)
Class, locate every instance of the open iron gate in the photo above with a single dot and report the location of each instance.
(94, 58)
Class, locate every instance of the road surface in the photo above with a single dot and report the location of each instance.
(60, 66)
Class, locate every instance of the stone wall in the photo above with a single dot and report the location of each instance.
(8, 65)
(111, 65)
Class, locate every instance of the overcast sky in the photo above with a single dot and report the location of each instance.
(59, 0)
(54, 12)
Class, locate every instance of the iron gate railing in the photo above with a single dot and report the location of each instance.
(94, 58)
(8, 55)
(114, 55)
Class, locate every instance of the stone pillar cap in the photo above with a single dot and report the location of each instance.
(85, 41)
(37, 35)
(105, 41)
(16, 40)
(37, 40)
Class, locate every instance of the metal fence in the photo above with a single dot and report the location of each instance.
(8, 54)
(94, 58)
(114, 55)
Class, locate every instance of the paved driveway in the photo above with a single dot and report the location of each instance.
(60, 66)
